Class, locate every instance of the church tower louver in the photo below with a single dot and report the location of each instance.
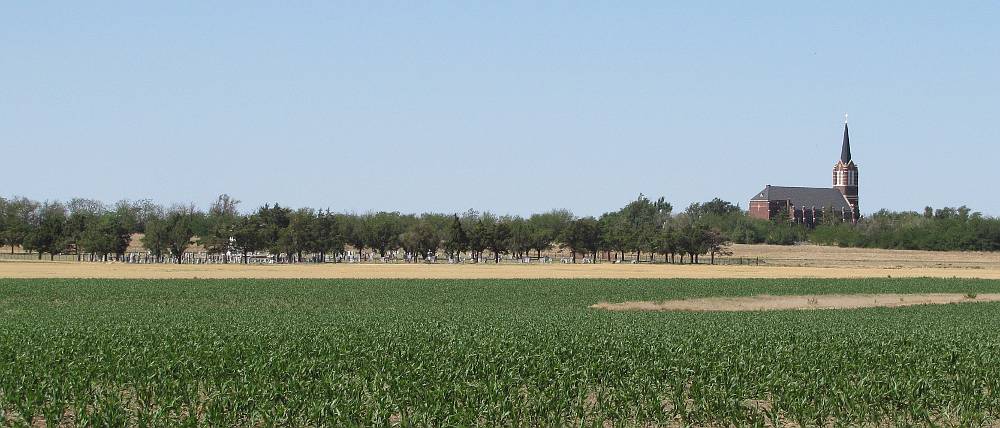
(845, 175)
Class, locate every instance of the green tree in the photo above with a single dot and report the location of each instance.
(46, 235)
(221, 221)
(299, 235)
(688, 237)
(326, 235)
(582, 236)
(132, 215)
(3, 222)
(668, 242)
(617, 234)
(456, 240)
(272, 221)
(715, 243)
(547, 228)
(156, 238)
(172, 233)
(498, 240)
(715, 207)
(82, 214)
(18, 221)
(479, 239)
(522, 233)
(383, 230)
(354, 229)
(146, 210)
(591, 234)
(420, 239)
(439, 222)
(110, 233)
(180, 232)
(641, 219)
(247, 236)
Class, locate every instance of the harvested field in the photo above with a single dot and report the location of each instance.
(777, 261)
(795, 261)
(807, 255)
(802, 302)
(44, 269)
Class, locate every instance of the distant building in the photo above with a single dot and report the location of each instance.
(807, 205)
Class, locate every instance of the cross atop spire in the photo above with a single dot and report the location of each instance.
(845, 150)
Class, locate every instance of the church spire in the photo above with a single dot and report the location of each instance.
(845, 151)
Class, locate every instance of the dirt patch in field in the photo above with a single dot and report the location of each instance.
(816, 301)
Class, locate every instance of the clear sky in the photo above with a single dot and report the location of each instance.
(513, 107)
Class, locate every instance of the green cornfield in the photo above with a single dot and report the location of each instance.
(487, 353)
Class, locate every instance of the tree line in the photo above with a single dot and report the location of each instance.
(933, 229)
(642, 230)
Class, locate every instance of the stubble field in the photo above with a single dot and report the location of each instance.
(484, 271)
(800, 261)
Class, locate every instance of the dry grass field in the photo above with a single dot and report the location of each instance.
(801, 261)
(764, 302)
(825, 256)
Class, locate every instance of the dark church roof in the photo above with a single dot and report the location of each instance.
(845, 151)
(807, 197)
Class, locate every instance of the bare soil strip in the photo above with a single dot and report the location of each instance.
(804, 302)
(776, 261)
(24, 269)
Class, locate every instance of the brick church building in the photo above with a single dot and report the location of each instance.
(807, 205)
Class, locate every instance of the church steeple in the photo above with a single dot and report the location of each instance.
(845, 150)
(845, 174)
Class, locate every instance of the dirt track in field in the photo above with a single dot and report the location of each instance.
(22, 269)
(804, 302)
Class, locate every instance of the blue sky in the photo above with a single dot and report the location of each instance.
(513, 107)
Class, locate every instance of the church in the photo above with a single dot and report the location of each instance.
(808, 205)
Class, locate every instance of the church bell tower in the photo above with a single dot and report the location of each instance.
(845, 175)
